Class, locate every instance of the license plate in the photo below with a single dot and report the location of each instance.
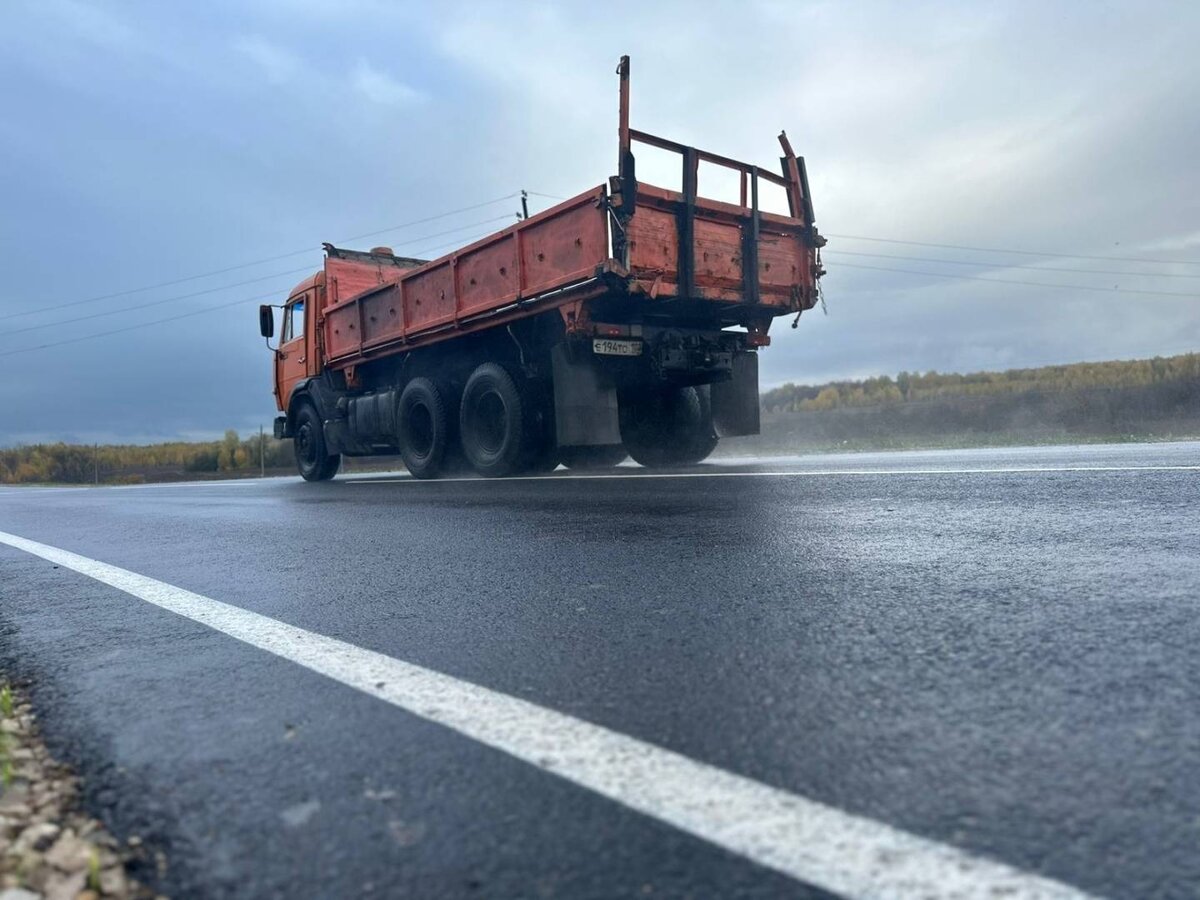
(616, 348)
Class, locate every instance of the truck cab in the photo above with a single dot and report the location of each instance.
(295, 358)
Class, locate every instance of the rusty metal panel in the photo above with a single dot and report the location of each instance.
(557, 248)
(341, 331)
(487, 277)
(381, 316)
(565, 246)
(354, 277)
(429, 296)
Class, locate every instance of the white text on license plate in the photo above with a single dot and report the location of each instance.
(617, 348)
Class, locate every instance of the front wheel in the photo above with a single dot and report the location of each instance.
(313, 458)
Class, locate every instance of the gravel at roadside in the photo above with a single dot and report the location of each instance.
(48, 847)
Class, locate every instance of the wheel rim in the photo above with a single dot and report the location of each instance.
(306, 447)
(420, 431)
(491, 422)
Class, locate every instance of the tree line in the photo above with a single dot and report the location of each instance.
(133, 463)
(917, 386)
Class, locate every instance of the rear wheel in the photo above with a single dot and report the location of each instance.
(494, 422)
(541, 454)
(595, 457)
(313, 458)
(423, 428)
(669, 427)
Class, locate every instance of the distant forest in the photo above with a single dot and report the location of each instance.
(908, 387)
(1111, 401)
(134, 463)
(1144, 399)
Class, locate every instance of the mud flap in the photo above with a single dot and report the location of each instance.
(585, 410)
(735, 402)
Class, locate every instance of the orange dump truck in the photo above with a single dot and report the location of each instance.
(625, 321)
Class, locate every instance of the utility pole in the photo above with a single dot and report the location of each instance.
(262, 454)
(96, 462)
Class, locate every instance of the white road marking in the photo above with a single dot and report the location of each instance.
(28, 489)
(630, 471)
(788, 473)
(806, 840)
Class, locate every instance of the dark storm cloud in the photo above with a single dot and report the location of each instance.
(140, 143)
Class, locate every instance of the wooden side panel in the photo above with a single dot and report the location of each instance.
(782, 262)
(719, 230)
(653, 244)
(718, 254)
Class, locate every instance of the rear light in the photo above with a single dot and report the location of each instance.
(601, 329)
(758, 340)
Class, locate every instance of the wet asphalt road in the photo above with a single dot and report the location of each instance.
(1001, 661)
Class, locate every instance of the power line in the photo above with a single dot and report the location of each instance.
(1061, 287)
(426, 237)
(453, 212)
(100, 334)
(459, 243)
(1166, 262)
(257, 262)
(224, 287)
(986, 265)
(113, 312)
(207, 309)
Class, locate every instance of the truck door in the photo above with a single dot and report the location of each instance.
(291, 360)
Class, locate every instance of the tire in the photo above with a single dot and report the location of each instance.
(313, 458)
(494, 423)
(595, 457)
(541, 455)
(703, 440)
(671, 427)
(423, 429)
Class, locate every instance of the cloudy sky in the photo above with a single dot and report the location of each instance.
(144, 143)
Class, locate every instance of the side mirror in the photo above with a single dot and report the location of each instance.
(266, 321)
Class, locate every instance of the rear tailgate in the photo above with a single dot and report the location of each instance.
(727, 262)
(678, 244)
